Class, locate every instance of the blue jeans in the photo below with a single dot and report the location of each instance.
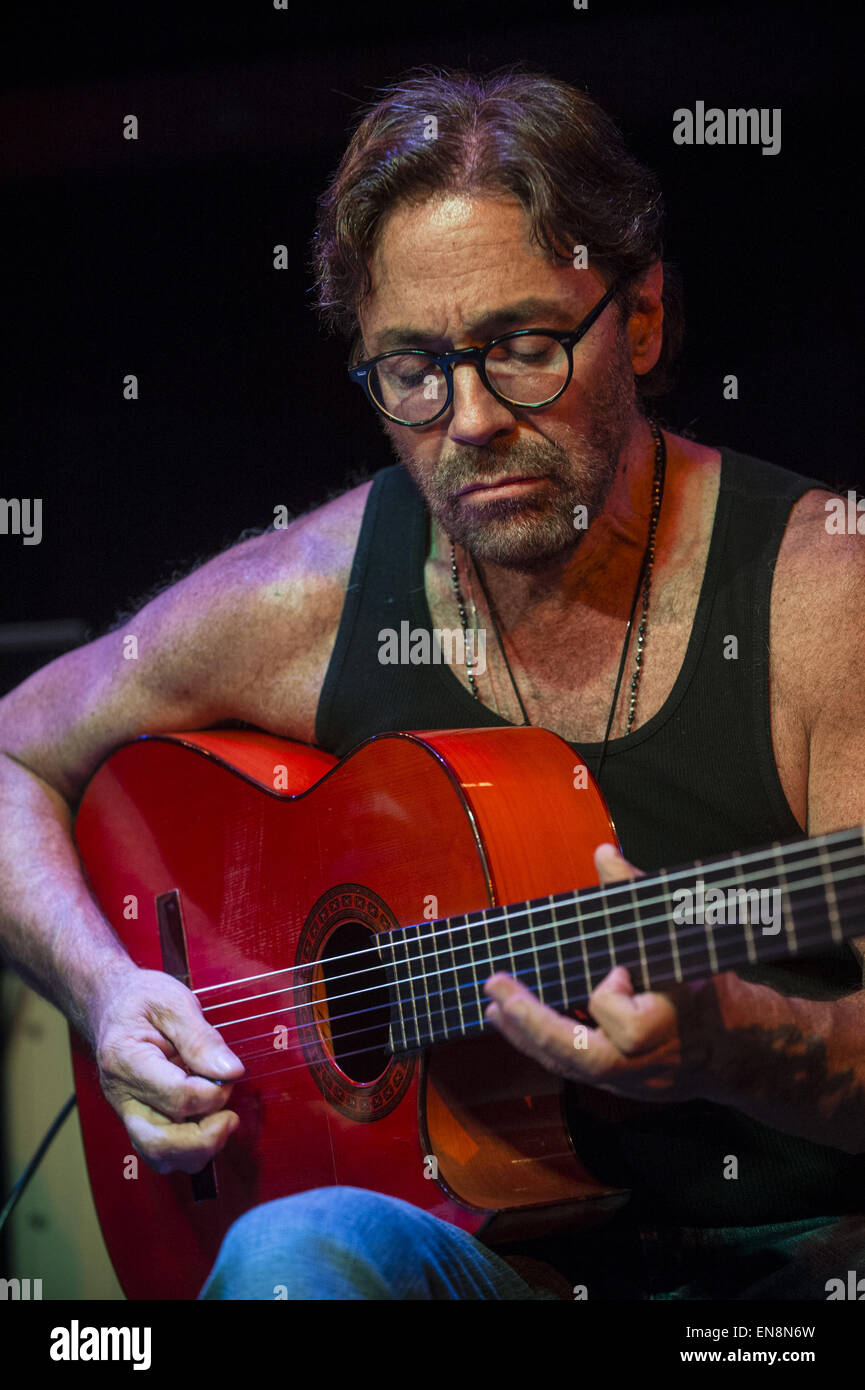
(347, 1243)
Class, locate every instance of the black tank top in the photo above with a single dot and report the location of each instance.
(696, 780)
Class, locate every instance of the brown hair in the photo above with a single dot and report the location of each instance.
(533, 137)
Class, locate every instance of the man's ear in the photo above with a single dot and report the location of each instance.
(645, 325)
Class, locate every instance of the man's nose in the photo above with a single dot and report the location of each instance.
(476, 415)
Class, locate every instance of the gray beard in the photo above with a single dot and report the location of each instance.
(533, 532)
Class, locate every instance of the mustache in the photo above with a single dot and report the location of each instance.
(459, 472)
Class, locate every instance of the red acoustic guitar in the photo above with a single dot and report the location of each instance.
(337, 920)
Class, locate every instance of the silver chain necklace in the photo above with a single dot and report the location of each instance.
(644, 584)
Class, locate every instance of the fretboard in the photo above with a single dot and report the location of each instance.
(789, 899)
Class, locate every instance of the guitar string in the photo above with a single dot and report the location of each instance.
(549, 976)
(808, 940)
(584, 918)
(428, 1036)
(475, 1028)
(620, 886)
(509, 912)
(451, 995)
(474, 984)
(557, 943)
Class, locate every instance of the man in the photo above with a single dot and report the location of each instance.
(465, 210)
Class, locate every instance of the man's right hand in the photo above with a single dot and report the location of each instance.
(155, 1051)
(207, 649)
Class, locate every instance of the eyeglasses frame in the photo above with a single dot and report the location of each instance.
(446, 361)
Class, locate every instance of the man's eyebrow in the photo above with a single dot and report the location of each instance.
(542, 311)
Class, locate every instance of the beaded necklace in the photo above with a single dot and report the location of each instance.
(644, 584)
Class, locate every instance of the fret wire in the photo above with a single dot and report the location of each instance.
(453, 967)
(510, 941)
(538, 968)
(410, 980)
(671, 932)
(710, 938)
(423, 977)
(464, 972)
(709, 943)
(438, 971)
(587, 971)
(389, 939)
(749, 935)
(787, 916)
(407, 993)
(831, 901)
(480, 999)
(608, 928)
(644, 965)
(558, 945)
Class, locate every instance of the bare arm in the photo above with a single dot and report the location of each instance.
(245, 637)
(795, 1064)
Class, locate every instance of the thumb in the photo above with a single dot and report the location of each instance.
(199, 1045)
(612, 866)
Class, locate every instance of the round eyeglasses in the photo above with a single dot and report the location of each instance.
(529, 368)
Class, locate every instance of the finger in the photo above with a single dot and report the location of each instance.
(634, 1023)
(169, 1147)
(612, 866)
(140, 1070)
(611, 1005)
(199, 1044)
(613, 988)
(529, 1025)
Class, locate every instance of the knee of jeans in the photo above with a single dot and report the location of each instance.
(320, 1211)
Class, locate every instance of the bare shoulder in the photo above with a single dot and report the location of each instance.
(818, 599)
(274, 604)
(246, 636)
(312, 554)
(693, 478)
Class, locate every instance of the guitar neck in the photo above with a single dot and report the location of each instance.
(679, 924)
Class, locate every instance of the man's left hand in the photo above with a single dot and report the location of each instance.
(646, 1046)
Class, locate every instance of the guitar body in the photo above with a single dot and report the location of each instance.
(256, 869)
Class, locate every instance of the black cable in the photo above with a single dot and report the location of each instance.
(12, 1199)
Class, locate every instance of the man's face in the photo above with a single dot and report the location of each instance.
(454, 272)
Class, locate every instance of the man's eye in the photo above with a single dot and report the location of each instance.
(522, 351)
(405, 381)
(534, 352)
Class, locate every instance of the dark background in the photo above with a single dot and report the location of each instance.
(155, 256)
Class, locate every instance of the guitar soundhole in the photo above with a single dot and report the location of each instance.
(357, 1003)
